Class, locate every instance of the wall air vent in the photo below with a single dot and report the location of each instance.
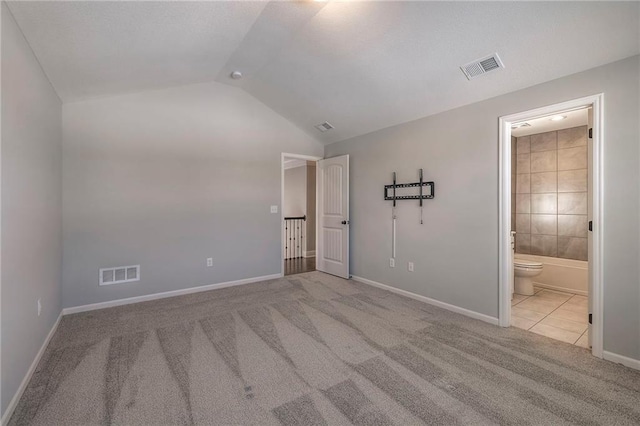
(324, 127)
(482, 66)
(119, 274)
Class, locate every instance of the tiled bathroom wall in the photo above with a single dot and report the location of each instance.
(551, 194)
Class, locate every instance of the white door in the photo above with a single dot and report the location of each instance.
(332, 255)
(591, 288)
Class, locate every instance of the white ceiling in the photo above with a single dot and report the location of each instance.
(361, 66)
(579, 117)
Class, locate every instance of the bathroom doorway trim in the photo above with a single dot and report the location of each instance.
(595, 258)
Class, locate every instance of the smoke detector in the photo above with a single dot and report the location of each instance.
(482, 66)
(324, 127)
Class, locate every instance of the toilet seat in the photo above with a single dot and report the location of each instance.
(529, 264)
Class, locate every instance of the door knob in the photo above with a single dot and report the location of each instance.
(345, 222)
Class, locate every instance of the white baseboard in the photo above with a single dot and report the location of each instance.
(172, 293)
(310, 253)
(27, 377)
(443, 305)
(562, 289)
(621, 359)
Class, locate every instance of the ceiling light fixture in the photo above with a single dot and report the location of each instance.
(236, 75)
(558, 117)
(519, 125)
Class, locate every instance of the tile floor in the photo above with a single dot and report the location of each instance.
(558, 315)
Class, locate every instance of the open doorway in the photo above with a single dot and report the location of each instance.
(550, 214)
(299, 214)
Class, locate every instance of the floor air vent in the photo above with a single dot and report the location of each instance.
(119, 274)
(482, 66)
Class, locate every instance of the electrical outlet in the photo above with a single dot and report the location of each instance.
(209, 262)
(39, 307)
(274, 209)
(392, 263)
(410, 266)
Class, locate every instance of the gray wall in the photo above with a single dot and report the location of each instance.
(551, 194)
(300, 198)
(295, 191)
(166, 179)
(456, 250)
(311, 205)
(31, 206)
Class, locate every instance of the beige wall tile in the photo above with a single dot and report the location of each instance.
(572, 181)
(572, 248)
(523, 243)
(572, 203)
(571, 225)
(544, 203)
(523, 223)
(544, 142)
(572, 158)
(523, 203)
(546, 224)
(523, 145)
(544, 245)
(544, 182)
(545, 161)
(575, 136)
(523, 184)
(523, 163)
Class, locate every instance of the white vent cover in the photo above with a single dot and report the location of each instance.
(482, 66)
(119, 274)
(324, 127)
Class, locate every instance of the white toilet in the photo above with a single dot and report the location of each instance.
(524, 271)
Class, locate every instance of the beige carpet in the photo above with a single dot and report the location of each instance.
(313, 349)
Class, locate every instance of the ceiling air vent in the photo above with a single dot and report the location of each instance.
(482, 66)
(324, 127)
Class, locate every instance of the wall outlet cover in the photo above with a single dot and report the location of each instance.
(392, 263)
(274, 209)
(410, 266)
(209, 261)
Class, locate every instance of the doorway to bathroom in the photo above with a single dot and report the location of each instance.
(550, 254)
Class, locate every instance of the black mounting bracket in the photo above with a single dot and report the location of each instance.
(426, 195)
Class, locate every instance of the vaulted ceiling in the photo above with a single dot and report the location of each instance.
(361, 66)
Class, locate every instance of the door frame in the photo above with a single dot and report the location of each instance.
(298, 157)
(596, 292)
